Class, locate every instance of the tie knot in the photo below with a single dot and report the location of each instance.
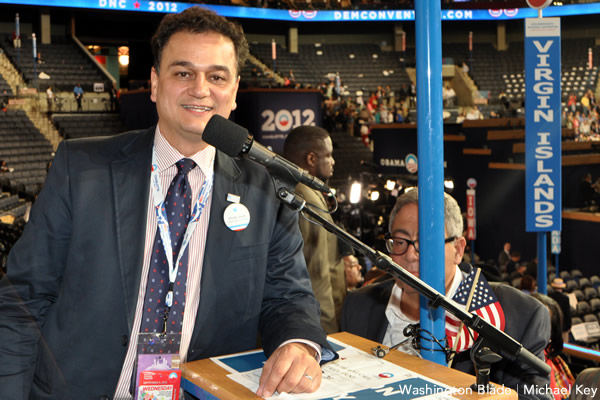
(185, 165)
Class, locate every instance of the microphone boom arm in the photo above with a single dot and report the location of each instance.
(497, 340)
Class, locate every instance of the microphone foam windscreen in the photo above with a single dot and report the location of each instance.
(225, 135)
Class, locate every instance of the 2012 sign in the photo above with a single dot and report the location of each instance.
(284, 120)
(162, 6)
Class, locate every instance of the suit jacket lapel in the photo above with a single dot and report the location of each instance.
(380, 322)
(218, 241)
(130, 185)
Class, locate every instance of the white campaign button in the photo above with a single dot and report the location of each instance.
(236, 217)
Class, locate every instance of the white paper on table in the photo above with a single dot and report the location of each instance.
(354, 371)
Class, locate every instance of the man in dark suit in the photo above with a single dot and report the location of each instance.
(381, 311)
(71, 304)
(504, 257)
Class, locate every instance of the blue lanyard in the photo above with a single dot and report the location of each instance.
(163, 222)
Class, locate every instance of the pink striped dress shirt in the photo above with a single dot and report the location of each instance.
(166, 157)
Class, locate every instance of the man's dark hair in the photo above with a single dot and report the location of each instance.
(301, 141)
(199, 20)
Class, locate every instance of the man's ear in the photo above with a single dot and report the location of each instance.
(237, 85)
(153, 84)
(460, 245)
(311, 159)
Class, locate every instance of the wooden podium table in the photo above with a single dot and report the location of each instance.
(206, 380)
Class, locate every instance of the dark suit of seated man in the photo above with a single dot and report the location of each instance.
(381, 311)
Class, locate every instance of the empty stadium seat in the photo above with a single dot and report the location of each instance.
(583, 308)
(590, 318)
(565, 275)
(579, 295)
(590, 293)
(595, 304)
(571, 285)
(584, 283)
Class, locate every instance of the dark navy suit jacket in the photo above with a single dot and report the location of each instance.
(68, 300)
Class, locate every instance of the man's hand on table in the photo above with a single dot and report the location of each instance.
(291, 369)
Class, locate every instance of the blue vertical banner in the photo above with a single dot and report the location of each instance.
(543, 178)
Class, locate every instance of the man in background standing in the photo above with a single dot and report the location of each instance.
(114, 98)
(504, 257)
(49, 98)
(4, 99)
(558, 285)
(78, 93)
(310, 147)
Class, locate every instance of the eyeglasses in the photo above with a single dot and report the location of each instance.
(397, 246)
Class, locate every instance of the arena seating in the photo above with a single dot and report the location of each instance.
(590, 293)
(253, 76)
(595, 305)
(584, 282)
(360, 66)
(365, 67)
(64, 62)
(585, 291)
(587, 306)
(572, 285)
(26, 152)
(503, 71)
(4, 86)
(9, 233)
(285, 63)
(8, 202)
(565, 275)
(576, 274)
(349, 153)
(73, 126)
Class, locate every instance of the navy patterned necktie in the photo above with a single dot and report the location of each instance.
(177, 204)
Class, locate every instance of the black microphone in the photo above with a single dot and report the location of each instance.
(235, 141)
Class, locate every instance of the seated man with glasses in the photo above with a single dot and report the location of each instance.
(384, 311)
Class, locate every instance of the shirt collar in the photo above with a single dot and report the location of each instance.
(167, 155)
(393, 309)
(458, 277)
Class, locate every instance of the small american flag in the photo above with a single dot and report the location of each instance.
(483, 303)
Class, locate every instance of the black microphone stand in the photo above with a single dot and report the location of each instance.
(495, 341)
